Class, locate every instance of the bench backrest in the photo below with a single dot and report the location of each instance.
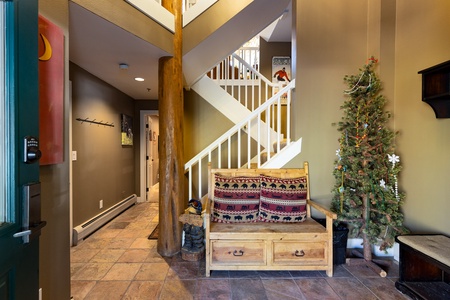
(279, 173)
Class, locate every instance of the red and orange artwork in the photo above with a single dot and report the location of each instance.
(51, 91)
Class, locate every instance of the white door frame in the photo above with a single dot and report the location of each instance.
(143, 153)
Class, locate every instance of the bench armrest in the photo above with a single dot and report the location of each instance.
(322, 209)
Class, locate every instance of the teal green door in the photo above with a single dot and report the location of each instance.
(19, 110)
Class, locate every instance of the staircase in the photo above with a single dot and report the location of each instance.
(258, 123)
(259, 109)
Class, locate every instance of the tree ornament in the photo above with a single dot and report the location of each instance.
(393, 159)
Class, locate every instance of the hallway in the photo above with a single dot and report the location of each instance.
(120, 262)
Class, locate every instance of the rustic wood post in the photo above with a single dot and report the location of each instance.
(171, 169)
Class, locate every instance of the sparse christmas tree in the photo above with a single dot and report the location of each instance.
(366, 194)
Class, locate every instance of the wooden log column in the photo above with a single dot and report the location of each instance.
(171, 169)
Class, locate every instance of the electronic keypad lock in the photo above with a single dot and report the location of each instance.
(31, 150)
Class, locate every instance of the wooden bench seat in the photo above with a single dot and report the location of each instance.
(264, 245)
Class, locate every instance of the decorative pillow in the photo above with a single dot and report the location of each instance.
(282, 200)
(236, 199)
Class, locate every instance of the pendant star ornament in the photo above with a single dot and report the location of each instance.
(383, 183)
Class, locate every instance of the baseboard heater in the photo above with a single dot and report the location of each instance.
(91, 225)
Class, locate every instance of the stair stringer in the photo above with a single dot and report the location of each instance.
(286, 154)
(229, 107)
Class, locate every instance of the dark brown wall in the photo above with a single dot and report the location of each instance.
(104, 169)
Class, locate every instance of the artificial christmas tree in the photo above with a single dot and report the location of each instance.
(366, 195)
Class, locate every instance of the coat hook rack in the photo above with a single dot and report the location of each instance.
(95, 122)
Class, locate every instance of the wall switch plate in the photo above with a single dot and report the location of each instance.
(74, 155)
(100, 204)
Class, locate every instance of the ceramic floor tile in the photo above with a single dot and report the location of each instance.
(122, 271)
(145, 290)
(338, 271)
(134, 255)
(135, 270)
(359, 269)
(107, 255)
(249, 289)
(75, 267)
(305, 274)
(118, 225)
(183, 270)
(133, 233)
(282, 289)
(153, 257)
(383, 288)
(83, 255)
(179, 289)
(316, 289)
(111, 290)
(143, 243)
(152, 271)
(350, 289)
(105, 233)
(243, 274)
(92, 271)
(93, 243)
(217, 289)
(274, 274)
(120, 243)
(79, 289)
(140, 225)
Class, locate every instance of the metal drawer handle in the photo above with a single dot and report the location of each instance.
(299, 253)
(240, 253)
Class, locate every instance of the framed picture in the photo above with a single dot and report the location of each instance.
(126, 130)
(281, 74)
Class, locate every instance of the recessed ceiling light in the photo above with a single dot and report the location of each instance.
(123, 66)
(139, 79)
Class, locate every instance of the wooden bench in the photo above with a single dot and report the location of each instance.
(260, 245)
(424, 266)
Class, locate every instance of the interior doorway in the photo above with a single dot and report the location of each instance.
(149, 153)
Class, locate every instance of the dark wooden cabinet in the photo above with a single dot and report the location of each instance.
(423, 270)
(436, 88)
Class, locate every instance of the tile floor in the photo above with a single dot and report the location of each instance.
(120, 262)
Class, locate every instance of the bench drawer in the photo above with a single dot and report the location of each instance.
(238, 252)
(299, 253)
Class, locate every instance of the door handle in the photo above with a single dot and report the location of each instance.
(25, 235)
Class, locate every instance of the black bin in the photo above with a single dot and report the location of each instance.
(340, 236)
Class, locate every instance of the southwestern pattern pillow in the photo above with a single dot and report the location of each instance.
(282, 200)
(236, 199)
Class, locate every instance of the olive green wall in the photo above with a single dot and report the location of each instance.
(104, 169)
(54, 257)
(422, 41)
(331, 42)
(335, 39)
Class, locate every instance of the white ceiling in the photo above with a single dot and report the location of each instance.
(99, 46)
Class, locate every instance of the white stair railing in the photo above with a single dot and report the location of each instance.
(242, 80)
(236, 148)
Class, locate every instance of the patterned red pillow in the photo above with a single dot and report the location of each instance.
(282, 200)
(236, 199)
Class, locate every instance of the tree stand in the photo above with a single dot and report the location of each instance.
(373, 264)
